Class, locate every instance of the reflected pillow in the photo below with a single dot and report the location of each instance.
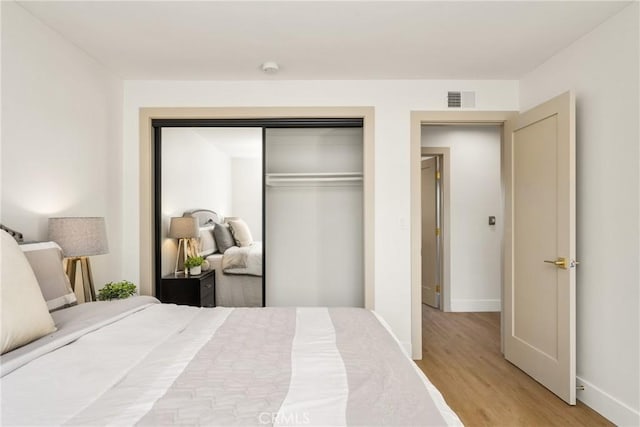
(24, 315)
(207, 243)
(240, 231)
(46, 261)
(223, 237)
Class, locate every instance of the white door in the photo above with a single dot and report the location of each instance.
(429, 237)
(539, 295)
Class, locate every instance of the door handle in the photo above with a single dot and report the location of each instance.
(564, 263)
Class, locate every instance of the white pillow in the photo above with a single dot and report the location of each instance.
(207, 244)
(240, 231)
(25, 316)
(46, 262)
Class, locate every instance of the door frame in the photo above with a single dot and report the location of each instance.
(419, 118)
(147, 180)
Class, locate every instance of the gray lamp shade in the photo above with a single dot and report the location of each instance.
(183, 227)
(79, 236)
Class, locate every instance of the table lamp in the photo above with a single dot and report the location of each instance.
(79, 238)
(183, 228)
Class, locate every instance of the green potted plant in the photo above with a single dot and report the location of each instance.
(117, 290)
(193, 265)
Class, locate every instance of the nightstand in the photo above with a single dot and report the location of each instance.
(197, 290)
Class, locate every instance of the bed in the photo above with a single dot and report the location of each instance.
(238, 271)
(137, 361)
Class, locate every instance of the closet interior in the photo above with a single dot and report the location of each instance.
(314, 217)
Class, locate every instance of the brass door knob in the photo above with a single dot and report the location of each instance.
(563, 263)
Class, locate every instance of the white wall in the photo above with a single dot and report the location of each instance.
(393, 101)
(475, 191)
(61, 136)
(195, 174)
(602, 69)
(246, 193)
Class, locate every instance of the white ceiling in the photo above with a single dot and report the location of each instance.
(234, 142)
(215, 40)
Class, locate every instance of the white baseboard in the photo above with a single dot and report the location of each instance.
(606, 405)
(467, 305)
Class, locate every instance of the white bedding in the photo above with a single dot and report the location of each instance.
(235, 290)
(167, 364)
(243, 260)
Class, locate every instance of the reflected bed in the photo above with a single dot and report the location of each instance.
(237, 289)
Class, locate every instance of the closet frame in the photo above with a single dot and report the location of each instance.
(158, 124)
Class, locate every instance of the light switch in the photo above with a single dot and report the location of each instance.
(492, 220)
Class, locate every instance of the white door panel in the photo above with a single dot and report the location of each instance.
(540, 296)
(429, 224)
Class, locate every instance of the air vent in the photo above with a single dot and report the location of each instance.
(461, 99)
(454, 99)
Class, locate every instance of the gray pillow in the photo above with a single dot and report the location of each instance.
(46, 261)
(223, 236)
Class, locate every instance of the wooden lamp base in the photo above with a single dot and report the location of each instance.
(87, 277)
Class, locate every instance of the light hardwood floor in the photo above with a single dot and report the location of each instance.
(461, 356)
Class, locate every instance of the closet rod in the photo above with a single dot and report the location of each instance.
(275, 182)
(315, 175)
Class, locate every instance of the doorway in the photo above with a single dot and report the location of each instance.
(441, 120)
(473, 212)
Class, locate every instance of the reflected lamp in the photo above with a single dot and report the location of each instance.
(183, 228)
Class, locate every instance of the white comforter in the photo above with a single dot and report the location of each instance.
(243, 260)
(167, 364)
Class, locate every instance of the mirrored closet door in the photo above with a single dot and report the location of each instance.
(211, 177)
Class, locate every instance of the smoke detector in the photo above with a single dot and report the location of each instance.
(270, 67)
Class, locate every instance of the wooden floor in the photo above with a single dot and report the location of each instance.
(461, 356)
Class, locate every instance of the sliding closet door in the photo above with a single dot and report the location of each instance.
(314, 217)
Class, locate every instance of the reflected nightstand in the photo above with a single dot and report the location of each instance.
(197, 290)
